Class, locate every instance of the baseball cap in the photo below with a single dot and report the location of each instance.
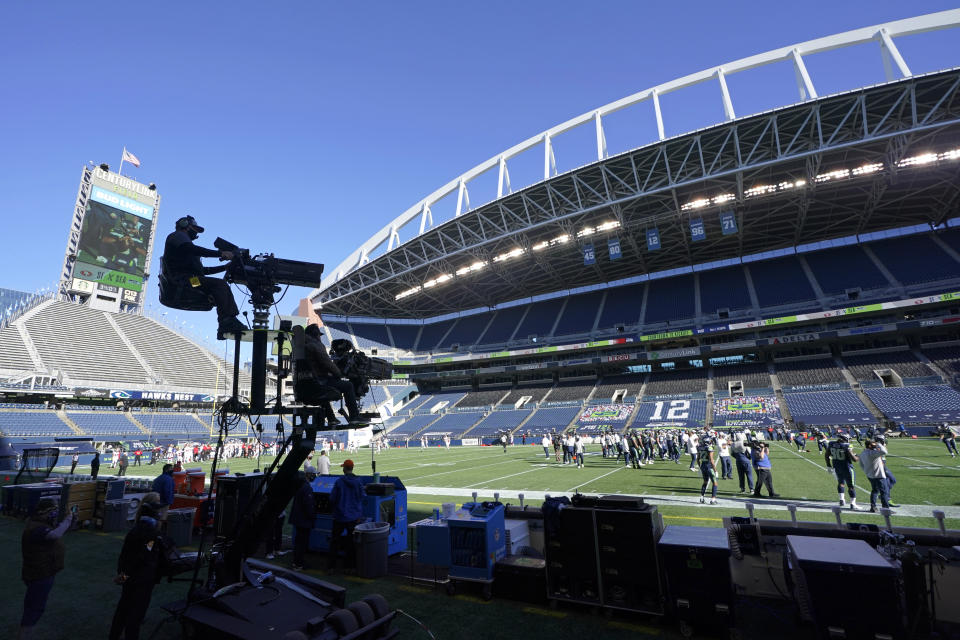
(310, 469)
(347, 465)
(189, 221)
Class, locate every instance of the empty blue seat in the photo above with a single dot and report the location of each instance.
(828, 407)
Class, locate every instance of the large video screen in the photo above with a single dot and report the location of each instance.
(114, 240)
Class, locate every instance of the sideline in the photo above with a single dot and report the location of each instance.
(774, 504)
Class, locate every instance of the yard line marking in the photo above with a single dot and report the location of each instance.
(594, 479)
(478, 484)
(926, 462)
(470, 456)
(669, 517)
(824, 468)
(819, 506)
(462, 469)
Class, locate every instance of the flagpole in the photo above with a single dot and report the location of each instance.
(121, 159)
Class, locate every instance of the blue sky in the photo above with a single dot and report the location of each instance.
(301, 128)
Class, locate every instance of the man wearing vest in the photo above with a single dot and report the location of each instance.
(742, 454)
(43, 553)
(764, 469)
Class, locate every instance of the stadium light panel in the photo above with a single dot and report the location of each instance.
(836, 174)
(760, 190)
(867, 169)
(923, 158)
(696, 204)
(408, 292)
(519, 251)
(476, 266)
(438, 280)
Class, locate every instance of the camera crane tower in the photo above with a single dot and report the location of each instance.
(223, 605)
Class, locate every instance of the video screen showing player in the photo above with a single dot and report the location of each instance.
(114, 239)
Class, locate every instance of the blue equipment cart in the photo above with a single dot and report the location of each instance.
(383, 501)
(477, 542)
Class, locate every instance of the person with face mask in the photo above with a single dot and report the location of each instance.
(43, 556)
(181, 263)
(138, 570)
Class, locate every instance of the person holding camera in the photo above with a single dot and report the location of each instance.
(763, 467)
(323, 373)
(43, 554)
(871, 461)
(181, 264)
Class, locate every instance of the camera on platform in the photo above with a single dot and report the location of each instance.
(358, 367)
(265, 271)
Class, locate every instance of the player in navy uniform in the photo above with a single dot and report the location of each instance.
(822, 442)
(840, 458)
(634, 441)
(708, 468)
(949, 439)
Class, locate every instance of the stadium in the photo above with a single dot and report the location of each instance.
(794, 271)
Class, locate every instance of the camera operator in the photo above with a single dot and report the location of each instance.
(43, 553)
(742, 453)
(323, 372)
(763, 467)
(871, 460)
(181, 260)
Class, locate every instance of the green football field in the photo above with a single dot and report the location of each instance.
(927, 479)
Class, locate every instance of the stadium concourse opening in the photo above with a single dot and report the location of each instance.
(739, 309)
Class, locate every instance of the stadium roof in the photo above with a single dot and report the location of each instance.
(875, 158)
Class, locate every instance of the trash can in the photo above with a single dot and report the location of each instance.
(371, 541)
(115, 515)
(180, 525)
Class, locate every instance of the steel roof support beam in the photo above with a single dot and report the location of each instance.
(804, 84)
(891, 56)
(697, 164)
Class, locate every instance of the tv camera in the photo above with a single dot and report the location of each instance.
(358, 367)
(262, 274)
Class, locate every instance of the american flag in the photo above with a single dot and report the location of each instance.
(129, 157)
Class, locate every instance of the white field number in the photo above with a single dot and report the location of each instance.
(679, 410)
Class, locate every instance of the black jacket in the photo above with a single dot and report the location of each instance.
(304, 512)
(181, 257)
(142, 554)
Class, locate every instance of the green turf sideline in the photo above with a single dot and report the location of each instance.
(774, 504)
